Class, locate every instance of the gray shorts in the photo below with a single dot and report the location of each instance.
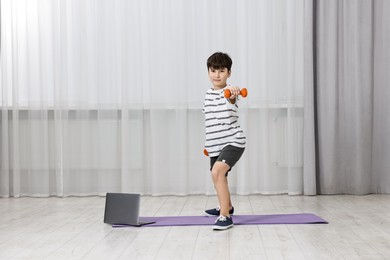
(229, 155)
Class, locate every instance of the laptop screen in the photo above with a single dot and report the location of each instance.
(122, 208)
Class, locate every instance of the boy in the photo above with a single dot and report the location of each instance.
(225, 141)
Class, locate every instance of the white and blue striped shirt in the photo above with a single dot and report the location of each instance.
(221, 120)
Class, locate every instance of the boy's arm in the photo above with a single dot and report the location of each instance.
(232, 101)
(235, 91)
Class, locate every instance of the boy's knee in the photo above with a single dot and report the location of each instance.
(216, 173)
(219, 171)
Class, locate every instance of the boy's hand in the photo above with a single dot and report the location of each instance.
(234, 91)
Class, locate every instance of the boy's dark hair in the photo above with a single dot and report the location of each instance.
(219, 60)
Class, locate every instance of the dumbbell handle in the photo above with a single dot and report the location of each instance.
(243, 92)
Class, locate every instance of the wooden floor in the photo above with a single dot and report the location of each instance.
(72, 228)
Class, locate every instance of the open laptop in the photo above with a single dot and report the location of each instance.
(123, 209)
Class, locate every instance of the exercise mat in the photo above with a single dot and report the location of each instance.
(301, 218)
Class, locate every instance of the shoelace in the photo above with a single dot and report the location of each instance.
(219, 208)
(220, 218)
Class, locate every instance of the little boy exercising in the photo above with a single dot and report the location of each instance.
(225, 141)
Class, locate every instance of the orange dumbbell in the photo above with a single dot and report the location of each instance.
(243, 93)
(205, 152)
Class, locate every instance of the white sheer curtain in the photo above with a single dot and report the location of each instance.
(105, 95)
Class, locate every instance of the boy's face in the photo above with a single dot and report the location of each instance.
(218, 77)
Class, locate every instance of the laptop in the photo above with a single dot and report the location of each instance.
(123, 209)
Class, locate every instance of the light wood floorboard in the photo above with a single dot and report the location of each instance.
(73, 228)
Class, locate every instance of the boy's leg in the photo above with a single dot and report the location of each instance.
(230, 200)
(218, 174)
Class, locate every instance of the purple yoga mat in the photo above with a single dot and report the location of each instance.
(302, 218)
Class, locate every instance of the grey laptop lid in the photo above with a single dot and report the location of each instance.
(123, 209)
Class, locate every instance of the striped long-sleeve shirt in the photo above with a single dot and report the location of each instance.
(221, 120)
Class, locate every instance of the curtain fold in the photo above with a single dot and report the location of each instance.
(309, 119)
(100, 96)
(381, 95)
